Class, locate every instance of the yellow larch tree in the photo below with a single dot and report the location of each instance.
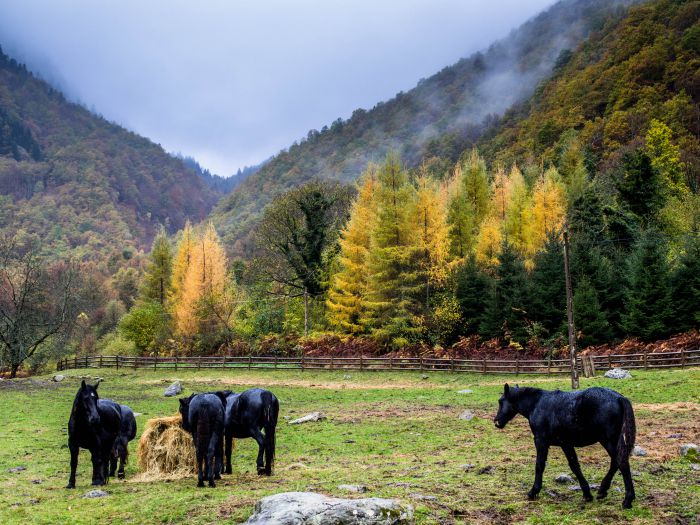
(548, 207)
(348, 285)
(518, 215)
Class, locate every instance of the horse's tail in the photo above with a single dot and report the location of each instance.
(204, 431)
(628, 432)
(272, 408)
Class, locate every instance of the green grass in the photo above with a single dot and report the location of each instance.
(394, 432)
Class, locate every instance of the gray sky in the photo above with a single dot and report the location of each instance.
(233, 82)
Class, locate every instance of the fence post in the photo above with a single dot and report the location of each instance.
(155, 362)
(646, 362)
(250, 362)
(391, 363)
(223, 362)
(302, 362)
(452, 363)
(360, 362)
(331, 362)
(682, 358)
(517, 366)
(421, 363)
(483, 365)
(117, 362)
(199, 363)
(175, 362)
(610, 361)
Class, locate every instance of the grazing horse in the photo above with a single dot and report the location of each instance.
(575, 419)
(203, 416)
(94, 425)
(120, 450)
(247, 414)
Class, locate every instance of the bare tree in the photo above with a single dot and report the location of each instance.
(37, 302)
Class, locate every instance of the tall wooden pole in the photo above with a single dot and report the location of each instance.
(570, 312)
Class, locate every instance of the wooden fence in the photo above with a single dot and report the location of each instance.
(680, 359)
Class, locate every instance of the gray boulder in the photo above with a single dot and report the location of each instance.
(467, 415)
(173, 390)
(58, 378)
(95, 494)
(309, 508)
(618, 373)
(639, 451)
(564, 479)
(689, 450)
(465, 391)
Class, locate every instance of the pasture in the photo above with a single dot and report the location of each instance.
(396, 433)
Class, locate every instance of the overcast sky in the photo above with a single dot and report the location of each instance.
(232, 82)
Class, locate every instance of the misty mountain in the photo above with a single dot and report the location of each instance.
(81, 184)
(438, 119)
(219, 184)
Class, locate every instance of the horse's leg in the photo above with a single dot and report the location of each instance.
(200, 466)
(210, 464)
(260, 439)
(106, 454)
(542, 451)
(572, 458)
(122, 461)
(74, 450)
(629, 485)
(112, 465)
(229, 445)
(605, 483)
(96, 458)
(219, 458)
(269, 448)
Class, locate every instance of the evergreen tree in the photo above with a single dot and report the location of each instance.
(548, 294)
(640, 187)
(348, 290)
(471, 287)
(648, 292)
(469, 203)
(590, 320)
(686, 288)
(506, 309)
(157, 281)
(395, 283)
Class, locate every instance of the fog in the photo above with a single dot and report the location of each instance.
(231, 83)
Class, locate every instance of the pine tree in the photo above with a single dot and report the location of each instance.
(647, 295)
(430, 223)
(158, 278)
(686, 288)
(471, 285)
(506, 310)
(641, 190)
(590, 320)
(548, 294)
(395, 282)
(348, 290)
(548, 209)
(469, 203)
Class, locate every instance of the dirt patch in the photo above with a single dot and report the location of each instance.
(26, 384)
(683, 406)
(360, 413)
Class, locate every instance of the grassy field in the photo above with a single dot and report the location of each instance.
(398, 434)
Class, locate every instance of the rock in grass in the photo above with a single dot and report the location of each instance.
(689, 450)
(564, 479)
(173, 390)
(618, 373)
(467, 415)
(308, 418)
(485, 470)
(297, 508)
(14, 470)
(639, 451)
(96, 494)
(359, 489)
(58, 378)
(465, 391)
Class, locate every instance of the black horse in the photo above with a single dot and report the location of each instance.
(575, 419)
(203, 416)
(120, 450)
(94, 425)
(247, 414)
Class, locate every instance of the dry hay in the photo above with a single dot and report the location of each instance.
(165, 450)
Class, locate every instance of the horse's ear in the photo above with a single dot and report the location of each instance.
(83, 385)
(506, 389)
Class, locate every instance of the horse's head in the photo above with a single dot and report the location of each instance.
(185, 412)
(87, 402)
(506, 406)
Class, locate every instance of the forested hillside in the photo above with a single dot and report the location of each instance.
(82, 185)
(437, 120)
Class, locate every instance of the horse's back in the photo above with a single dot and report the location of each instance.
(128, 427)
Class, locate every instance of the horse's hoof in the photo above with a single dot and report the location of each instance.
(218, 476)
(121, 475)
(70, 486)
(588, 497)
(627, 504)
(261, 472)
(200, 484)
(602, 495)
(229, 471)
(212, 485)
(532, 495)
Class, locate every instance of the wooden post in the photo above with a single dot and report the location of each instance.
(175, 362)
(646, 359)
(360, 362)
(302, 362)
(517, 366)
(570, 313)
(250, 362)
(682, 358)
(155, 362)
(483, 365)
(117, 362)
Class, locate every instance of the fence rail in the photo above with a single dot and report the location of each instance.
(682, 359)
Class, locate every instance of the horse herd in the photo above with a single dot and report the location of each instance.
(562, 419)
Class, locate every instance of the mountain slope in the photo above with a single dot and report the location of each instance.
(82, 185)
(440, 117)
(646, 66)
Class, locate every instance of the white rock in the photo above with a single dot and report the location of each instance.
(308, 418)
(309, 508)
(359, 489)
(173, 390)
(564, 479)
(689, 449)
(96, 494)
(639, 451)
(467, 415)
(58, 378)
(465, 391)
(618, 373)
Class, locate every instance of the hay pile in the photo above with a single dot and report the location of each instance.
(165, 450)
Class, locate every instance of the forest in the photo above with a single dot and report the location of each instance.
(431, 250)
